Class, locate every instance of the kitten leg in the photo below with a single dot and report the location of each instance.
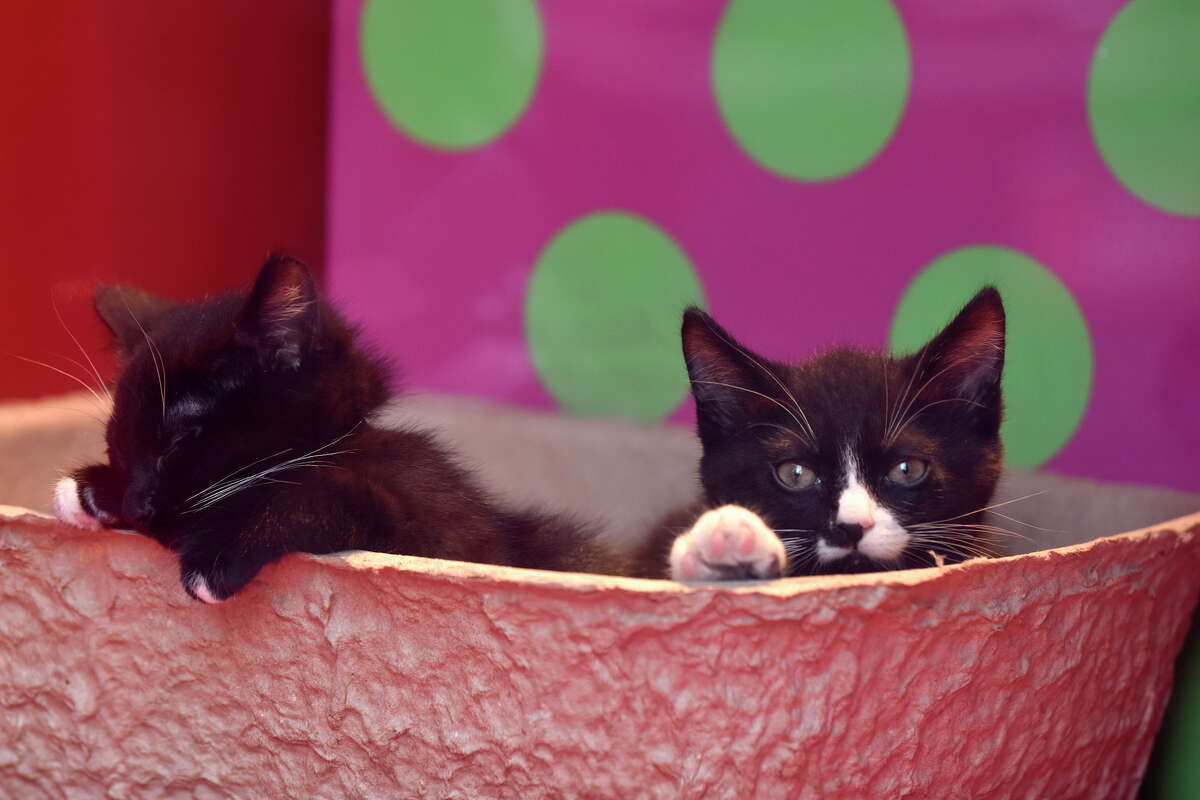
(727, 543)
(213, 575)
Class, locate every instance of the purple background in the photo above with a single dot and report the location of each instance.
(432, 250)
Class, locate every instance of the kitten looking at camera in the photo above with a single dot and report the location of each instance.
(240, 432)
(850, 462)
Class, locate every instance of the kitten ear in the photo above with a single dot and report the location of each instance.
(128, 313)
(728, 381)
(966, 359)
(279, 319)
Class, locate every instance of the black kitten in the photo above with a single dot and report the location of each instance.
(851, 462)
(239, 433)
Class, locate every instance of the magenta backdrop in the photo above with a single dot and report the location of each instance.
(432, 250)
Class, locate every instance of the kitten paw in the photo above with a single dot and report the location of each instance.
(215, 575)
(69, 509)
(198, 587)
(728, 543)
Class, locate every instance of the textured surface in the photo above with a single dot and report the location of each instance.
(1036, 676)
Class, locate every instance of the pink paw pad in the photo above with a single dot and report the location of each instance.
(727, 543)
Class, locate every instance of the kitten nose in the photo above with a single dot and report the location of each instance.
(852, 531)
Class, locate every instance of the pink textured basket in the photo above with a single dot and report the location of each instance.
(1042, 675)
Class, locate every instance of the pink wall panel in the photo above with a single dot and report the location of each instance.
(433, 249)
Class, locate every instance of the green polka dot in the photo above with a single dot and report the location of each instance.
(602, 316)
(811, 90)
(1144, 102)
(452, 73)
(1048, 353)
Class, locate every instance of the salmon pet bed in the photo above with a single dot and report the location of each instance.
(1042, 674)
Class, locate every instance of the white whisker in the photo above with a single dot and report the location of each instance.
(92, 364)
(218, 481)
(226, 487)
(155, 355)
(907, 418)
(926, 407)
(812, 434)
(894, 417)
(1026, 524)
(989, 508)
(65, 374)
(763, 396)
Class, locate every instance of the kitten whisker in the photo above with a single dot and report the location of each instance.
(812, 434)
(964, 526)
(952, 546)
(908, 418)
(155, 357)
(765, 397)
(64, 373)
(962, 542)
(236, 471)
(221, 486)
(226, 488)
(903, 416)
(803, 564)
(99, 378)
(894, 416)
(81, 366)
(69, 410)
(966, 531)
(912, 417)
(963, 539)
(989, 508)
(1026, 524)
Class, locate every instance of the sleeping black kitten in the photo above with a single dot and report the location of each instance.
(239, 433)
(851, 462)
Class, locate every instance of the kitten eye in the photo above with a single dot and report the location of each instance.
(908, 472)
(794, 475)
(191, 432)
(176, 440)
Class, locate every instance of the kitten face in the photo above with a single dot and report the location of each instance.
(213, 387)
(858, 461)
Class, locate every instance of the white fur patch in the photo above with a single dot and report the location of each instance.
(68, 508)
(887, 538)
(856, 506)
(827, 552)
(884, 538)
(200, 589)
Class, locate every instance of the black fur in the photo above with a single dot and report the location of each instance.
(224, 388)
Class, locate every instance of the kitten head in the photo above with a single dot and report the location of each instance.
(859, 461)
(213, 387)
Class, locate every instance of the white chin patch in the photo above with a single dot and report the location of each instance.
(200, 589)
(827, 552)
(68, 508)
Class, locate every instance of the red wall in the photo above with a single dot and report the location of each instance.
(170, 145)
